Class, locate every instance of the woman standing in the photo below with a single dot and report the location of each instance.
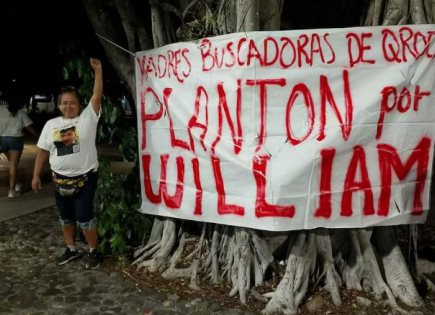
(68, 142)
(13, 120)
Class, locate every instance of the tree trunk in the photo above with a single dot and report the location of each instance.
(361, 259)
(248, 16)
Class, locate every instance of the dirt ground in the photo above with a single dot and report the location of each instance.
(369, 305)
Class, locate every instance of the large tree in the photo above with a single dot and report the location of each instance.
(362, 259)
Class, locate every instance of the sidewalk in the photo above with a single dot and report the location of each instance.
(27, 201)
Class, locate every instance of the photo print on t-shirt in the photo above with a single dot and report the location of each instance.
(66, 141)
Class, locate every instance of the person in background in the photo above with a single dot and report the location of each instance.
(74, 171)
(13, 120)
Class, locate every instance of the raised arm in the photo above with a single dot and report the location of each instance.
(97, 93)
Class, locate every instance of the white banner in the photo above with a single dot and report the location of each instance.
(291, 129)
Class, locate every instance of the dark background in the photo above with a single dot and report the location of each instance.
(37, 37)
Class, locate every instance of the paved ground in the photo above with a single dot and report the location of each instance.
(27, 201)
(31, 283)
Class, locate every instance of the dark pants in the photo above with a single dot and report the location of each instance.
(80, 207)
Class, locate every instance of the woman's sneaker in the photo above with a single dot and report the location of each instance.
(67, 256)
(18, 189)
(93, 260)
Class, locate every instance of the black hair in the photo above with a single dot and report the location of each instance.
(14, 99)
(68, 89)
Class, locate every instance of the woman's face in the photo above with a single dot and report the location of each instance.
(69, 105)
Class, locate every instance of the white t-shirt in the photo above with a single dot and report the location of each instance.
(12, 126)
(71, 143)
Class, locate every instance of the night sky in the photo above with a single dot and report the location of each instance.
(32, 51)
(37, 37)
